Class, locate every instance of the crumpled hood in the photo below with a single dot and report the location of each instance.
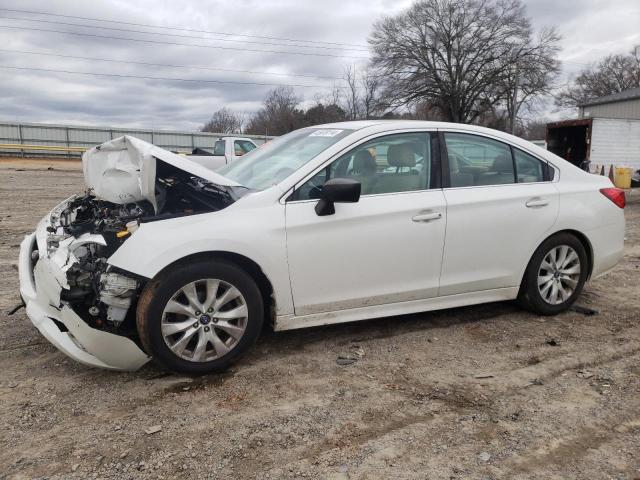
(123, 170)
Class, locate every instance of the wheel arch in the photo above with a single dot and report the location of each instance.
(247, 264)
(586, 244)
(582, 238)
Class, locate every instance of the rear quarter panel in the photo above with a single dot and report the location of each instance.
(585, 209)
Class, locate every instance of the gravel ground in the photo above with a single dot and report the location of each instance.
(471, 393)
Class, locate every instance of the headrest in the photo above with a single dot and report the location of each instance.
(401, 156)
(363, 162)
(503, 164)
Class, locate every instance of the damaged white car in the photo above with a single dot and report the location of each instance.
(162, 258)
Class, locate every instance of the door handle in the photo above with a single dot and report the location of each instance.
(536, 202)
(427, 217)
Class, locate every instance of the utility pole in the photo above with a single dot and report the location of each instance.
(514, 106)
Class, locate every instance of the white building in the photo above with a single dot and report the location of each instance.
(607, 132)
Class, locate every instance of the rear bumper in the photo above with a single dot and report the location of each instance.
(40, 291)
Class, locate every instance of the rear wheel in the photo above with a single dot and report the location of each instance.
(200, 317)
(555, 275)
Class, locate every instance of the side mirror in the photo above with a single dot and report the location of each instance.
(337, 190)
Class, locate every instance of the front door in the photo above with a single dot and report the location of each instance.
(387, 247)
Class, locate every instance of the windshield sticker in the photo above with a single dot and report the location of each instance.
(325, 133)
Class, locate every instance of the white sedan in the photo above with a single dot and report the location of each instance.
(162, 258)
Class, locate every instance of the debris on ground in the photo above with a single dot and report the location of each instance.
(483, 375)
(484, 456)
(153, 429)
(583, 310)
(552, 342)
(356, 352)
(344, 360)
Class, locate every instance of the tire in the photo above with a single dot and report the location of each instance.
(172, 328)
(539, 282)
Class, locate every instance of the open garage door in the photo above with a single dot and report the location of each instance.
(570, 139)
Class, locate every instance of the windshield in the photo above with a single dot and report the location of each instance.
(276, 160)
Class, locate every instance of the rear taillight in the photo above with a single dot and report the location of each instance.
(616, 195)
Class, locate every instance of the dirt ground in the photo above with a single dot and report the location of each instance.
(561, 397)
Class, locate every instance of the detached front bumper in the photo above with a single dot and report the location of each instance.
(58, 323)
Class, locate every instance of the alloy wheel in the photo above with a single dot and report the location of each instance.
(559, 274)
(204, 320)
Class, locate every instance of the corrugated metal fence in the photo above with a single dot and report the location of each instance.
(71, 140)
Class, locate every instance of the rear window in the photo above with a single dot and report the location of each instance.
(242, 146)
(218, 148)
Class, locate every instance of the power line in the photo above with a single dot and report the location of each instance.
(173, 79)
(182, 29)
(160, 42)
(149, 64)
(182, 36)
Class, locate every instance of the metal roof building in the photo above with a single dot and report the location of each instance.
(624, 105)
(606, 132)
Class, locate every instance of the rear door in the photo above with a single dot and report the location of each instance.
(501, 203)
(387, 247)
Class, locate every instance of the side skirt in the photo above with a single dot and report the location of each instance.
(291, 322)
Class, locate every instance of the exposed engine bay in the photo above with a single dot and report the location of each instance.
(86, 230)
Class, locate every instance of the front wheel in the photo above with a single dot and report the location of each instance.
(200, 317)
(555, 275)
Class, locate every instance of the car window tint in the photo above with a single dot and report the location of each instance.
(476, 160)
(529, 168)
(393, 163)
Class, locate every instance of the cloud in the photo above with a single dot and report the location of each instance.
(590, 29)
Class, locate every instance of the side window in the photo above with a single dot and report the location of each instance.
(529, 168)
(242, 146)
(218, 148)
(476, 160)
(393, 163)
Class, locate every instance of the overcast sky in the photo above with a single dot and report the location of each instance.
(590, 29)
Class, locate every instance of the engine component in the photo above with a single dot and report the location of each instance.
(117, 292)
(86, 230)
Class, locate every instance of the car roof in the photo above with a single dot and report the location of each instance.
(410, 124)
(361, 124)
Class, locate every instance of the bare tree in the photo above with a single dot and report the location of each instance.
(613, 74)
(425, 110)
(279, 115)
(324, 113)
(532, 75)
(371, 102)
(457, 54)
(360, 97)
(224, 121)
(535, 129)
(352, 98)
